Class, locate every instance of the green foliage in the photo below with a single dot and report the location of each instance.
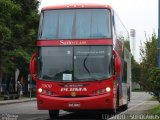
(150, 52)
(155, 110)
(18, 31)
(7, 9)
(136, 71)
(150, 75)
(149, 55)
(7, 65)
(127, 45)
(20, 58)
(153, 82)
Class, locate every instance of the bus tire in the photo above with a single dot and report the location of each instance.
(114, 111)
(129, 94)
(53, 113)
(124, 107)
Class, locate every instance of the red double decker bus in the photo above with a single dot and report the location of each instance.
(82, 60)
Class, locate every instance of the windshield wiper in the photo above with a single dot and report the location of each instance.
(84, 64)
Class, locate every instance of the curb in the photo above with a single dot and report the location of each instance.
(6, 102)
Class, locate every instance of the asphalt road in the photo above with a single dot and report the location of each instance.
(28, 110)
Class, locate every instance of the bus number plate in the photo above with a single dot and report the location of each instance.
(74, 105)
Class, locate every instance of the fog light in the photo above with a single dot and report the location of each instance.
(49, 93)
(108, 89)
(103, 90)
(98, 92)
(44, 92)
(40, 90)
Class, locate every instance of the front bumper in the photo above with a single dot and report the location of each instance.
(105, 101)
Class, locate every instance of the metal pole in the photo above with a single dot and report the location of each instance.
(158, 33)
(30, 86)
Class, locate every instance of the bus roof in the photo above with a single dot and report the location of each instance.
(76, 5)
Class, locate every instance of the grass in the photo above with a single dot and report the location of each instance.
(153, 98)
(155, 110)
(1, 98)
(137, 90)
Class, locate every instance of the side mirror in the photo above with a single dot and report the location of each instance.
(117, 63)
(32, 66)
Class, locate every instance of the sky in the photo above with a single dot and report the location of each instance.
(141, 15)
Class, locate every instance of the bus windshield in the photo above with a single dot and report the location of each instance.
(75, 24)
(78, 63)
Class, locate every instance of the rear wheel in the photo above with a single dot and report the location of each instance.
(129, 94)
(53, 113)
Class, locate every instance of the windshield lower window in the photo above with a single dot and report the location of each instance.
(75, 24)
(79, 63)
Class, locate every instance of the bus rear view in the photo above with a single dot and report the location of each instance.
(75, 60)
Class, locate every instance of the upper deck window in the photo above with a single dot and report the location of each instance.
(75, 24)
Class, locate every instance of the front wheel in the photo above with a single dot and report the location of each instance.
(114, 111)
(53, 113)
(124, 107)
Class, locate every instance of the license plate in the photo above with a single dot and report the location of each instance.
(74, 105)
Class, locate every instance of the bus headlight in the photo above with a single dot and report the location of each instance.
(40, 90)
(108, 89)
(102, 91)
(45, 92)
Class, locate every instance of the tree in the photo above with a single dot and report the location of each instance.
(7, 9)
(18, 31)
(24, 30)
(149, 55)
(150, 75)
(136, 71)
(153, 80)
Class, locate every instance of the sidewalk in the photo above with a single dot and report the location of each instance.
(5, 102)
(137, 112)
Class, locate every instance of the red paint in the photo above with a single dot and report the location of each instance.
(74, 42)
(60, 95)
(61, 99)
(119, 47)
(32, 67)
(75, 6)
